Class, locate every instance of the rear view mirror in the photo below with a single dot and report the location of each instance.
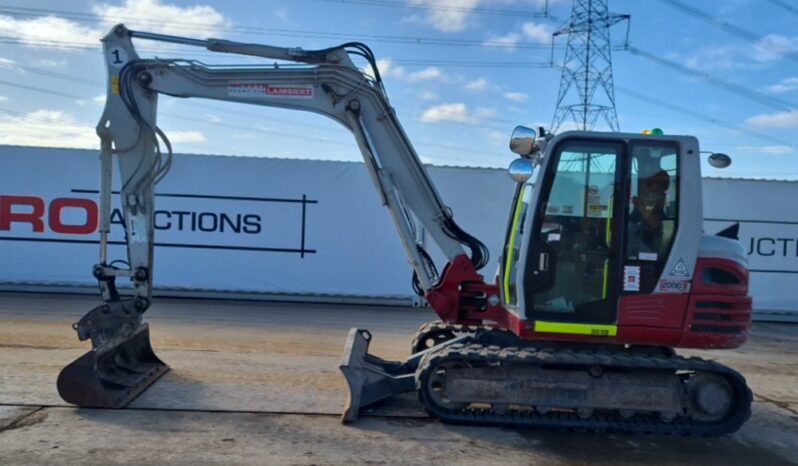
(521, 170)
(522, 142)
(718, 160)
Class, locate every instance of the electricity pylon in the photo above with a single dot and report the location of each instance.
(587, 90)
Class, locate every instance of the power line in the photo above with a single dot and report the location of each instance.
(27, 116)
(471, 63)
(230, 125)
(53, 74)
(447, 8)
(702, 117)
(94, 83)
(195, 53)
(742, 91)
(731, 28)
(284, 32)
(250, 115)
(785, 5)
(39, 89)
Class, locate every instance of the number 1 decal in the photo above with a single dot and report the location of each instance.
(117, 57)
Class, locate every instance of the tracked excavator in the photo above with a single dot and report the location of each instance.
(605, 268)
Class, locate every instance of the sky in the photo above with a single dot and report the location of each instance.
(460, 73)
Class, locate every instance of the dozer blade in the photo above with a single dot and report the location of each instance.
(113, 377)
(371, 379)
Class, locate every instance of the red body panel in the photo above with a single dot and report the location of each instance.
(653, 310)
(719, 315)
(712, 315)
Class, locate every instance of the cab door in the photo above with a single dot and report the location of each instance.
(571, 272)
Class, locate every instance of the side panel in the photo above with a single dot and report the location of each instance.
(659, 310)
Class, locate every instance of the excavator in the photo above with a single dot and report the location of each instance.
(604, 272)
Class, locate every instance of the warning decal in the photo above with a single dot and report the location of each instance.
(265, 90)
(631, 278)
(680, 270)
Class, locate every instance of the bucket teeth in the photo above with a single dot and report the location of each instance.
(112, 377)
(369, 378)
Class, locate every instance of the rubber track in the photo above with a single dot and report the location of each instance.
(599, 422)
(438, 326)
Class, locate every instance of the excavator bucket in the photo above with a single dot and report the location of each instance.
(371, 379)
(113, 377)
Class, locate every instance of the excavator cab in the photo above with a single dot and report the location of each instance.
(602, 221)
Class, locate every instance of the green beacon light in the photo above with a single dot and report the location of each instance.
(657, 132)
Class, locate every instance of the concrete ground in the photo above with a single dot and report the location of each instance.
(258, 383)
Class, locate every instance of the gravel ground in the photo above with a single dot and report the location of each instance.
(257, 383)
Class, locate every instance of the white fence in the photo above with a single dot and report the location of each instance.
(278, 226)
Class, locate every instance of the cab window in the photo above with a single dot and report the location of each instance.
(652, 212)
(575, 233)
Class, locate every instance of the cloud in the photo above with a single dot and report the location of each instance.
(54, 128)
(497, 136)
(100, 99)
(483, 112)
(456, 112)
(57, 128)
(537, 32)
(777, 150)
(247, 136)
(152, 15)
(156, 16)
(427, 74)
(788, 119)
(281, 14)
(785, 85)
(213, 118)
(457, 15)
(767, 51)
(507, 42)
(48, 63)
(429, 95)
(773, 46)
(9, 64)
(388, 69)
(721, 57)
(515, 96)
(3, 98)
(768, 150)
(448, 15)
(186, 137)
(478, 85)
(529, 31)
(48, 31)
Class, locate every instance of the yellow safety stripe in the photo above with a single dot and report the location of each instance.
(508, 263)
(595, 330)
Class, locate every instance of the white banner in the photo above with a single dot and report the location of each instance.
(227, 223)
(309, 227)
(768, 230)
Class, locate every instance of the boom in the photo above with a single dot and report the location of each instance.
(325, 81)
(332, 86)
